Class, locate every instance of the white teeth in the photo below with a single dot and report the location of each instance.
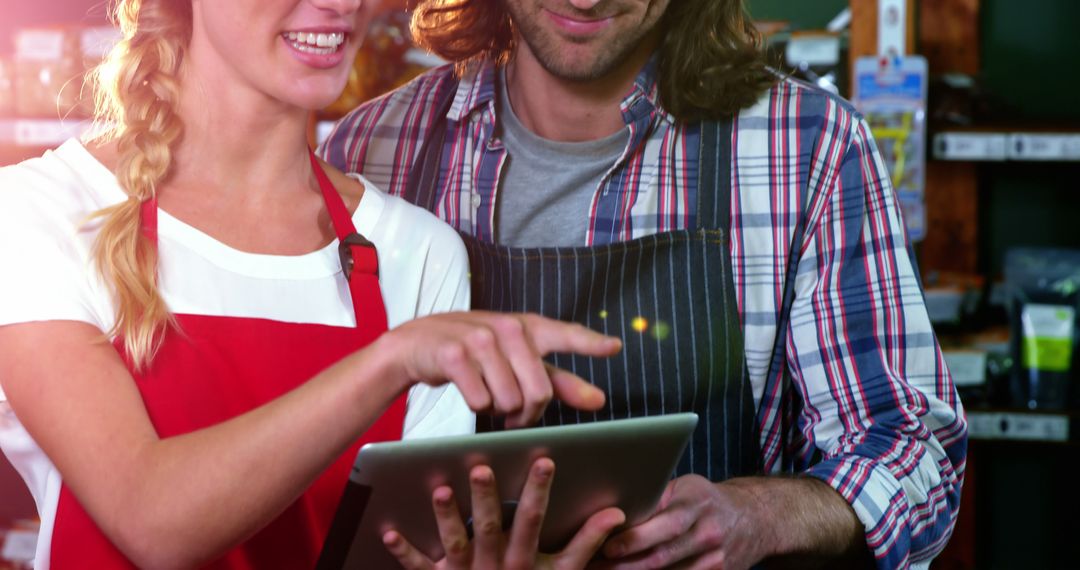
(311, 42)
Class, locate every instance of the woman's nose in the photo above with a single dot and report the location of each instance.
(340, 6)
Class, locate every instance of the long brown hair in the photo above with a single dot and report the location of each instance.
(710, 59)
(136, 90)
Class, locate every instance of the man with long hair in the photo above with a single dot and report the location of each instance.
(634, 165)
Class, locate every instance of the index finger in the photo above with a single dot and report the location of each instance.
(550, 335)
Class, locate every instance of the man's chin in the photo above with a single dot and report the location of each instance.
(577, 71)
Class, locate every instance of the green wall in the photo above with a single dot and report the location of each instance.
(1030, 52)
(803, 14)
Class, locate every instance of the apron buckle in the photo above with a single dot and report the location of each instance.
(348, 262)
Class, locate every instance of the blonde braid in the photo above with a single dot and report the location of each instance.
(136, 89)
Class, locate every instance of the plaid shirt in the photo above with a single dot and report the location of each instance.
(868, 406)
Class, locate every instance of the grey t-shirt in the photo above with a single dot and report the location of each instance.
(547, 186)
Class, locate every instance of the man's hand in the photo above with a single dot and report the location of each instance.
(739, 523)
(697, 523)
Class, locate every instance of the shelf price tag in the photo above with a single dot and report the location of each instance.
(1016, 426)
(970, 146)
(1026, 146)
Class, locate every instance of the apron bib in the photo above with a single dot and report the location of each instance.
(215, 368)
(670, 297)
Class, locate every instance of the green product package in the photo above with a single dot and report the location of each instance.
(1044, 306)
(1048, 336)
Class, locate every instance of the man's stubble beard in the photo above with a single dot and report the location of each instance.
(545, 50)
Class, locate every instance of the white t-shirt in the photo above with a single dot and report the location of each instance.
(46, 273)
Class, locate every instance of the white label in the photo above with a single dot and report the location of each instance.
(892, 27)
(96, 42)
(970, 146)
(813, 50)
(1048, 321)
(417, 56)
(1072, 147)
(19, 546)
(30, 132)
(1026, 427)
(968, 367)
(1038, 147)
(39, 45)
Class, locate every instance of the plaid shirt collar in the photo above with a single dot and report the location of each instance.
(477, 92)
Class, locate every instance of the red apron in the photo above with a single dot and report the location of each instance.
(219, 367)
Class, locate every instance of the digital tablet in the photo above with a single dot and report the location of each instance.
(620, 463)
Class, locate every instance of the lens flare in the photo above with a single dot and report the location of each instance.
(661, 330)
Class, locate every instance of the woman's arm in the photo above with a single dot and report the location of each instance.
(183, 500)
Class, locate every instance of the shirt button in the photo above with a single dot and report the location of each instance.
(475, 200)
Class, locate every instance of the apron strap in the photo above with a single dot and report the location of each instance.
(359, 258)
(714, 176)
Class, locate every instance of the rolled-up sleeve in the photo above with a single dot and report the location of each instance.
(881, 419)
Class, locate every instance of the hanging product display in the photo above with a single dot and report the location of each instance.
(891, 94)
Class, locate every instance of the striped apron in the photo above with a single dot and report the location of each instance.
(669, 297)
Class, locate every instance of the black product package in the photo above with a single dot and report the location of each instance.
(1044, 320)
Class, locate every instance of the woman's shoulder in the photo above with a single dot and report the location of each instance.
(67, 182)
(405, 227)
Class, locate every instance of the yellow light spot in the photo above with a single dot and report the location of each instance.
(661, 330)
(603, 314)
(639, 324)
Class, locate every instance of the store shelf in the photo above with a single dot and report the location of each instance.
(1007, 145)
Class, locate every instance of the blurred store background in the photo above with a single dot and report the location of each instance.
(974, 105)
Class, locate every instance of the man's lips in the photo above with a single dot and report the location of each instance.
(579, 26)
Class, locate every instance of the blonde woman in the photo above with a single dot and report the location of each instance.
(193, 309)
